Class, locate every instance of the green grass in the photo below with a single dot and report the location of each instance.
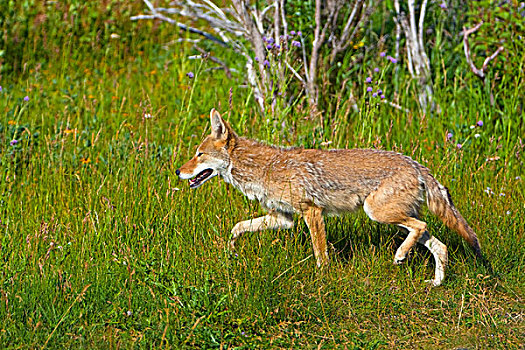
(101, 246)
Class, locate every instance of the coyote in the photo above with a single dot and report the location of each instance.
(389, 186)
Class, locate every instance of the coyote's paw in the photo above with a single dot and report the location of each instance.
(433, 283)
(399, 260)
(237, 230)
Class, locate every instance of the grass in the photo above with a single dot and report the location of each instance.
(102, 246)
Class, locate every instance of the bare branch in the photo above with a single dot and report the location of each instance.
(491, 57)
(207, 55)
(181, 26)
(466, 48)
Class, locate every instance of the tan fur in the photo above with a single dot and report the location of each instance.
(312, 183)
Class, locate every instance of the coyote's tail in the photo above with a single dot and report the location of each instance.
(440, 204)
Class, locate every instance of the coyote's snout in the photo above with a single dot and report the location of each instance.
(389, 186)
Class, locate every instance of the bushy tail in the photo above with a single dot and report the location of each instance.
(440, 204)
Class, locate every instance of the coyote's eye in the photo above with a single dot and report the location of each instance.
(199, 154)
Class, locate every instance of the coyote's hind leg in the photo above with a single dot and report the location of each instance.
(439, 251)
(272, 221)
(416, 229)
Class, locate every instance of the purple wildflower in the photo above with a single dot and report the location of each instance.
(265, 38)
(266, 63)
(293, 32)
(0, 88)
(256, 59)
(369, 89)
(26, 98)
(296, 43)
(13, 142)
(376, 70)
(479, 123)
(374, 94)
(379, 91)
(443, 5)
(368, 80)
(382, 96)
(277, 46)
(382, 54)
(269, 46)
(449, 136)
(391, 59)
(270, 41)
(190, 75)
(459, 146)
(299, 33)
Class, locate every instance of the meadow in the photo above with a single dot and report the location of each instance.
(102, 246)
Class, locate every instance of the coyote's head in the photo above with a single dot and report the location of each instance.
(212, 157)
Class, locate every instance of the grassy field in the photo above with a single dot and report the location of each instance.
(101, 246)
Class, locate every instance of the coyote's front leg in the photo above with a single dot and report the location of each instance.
(272, 221)
(313, 216)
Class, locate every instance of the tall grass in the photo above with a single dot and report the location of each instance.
(103, 247)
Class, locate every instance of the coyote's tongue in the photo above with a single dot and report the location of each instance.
(200, 178)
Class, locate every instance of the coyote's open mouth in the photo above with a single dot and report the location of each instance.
(200, 178)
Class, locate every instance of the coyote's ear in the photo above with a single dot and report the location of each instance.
(219, 128)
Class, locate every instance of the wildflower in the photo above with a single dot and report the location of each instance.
(369, 89)
(12, 122)
(0, 88)
(129, 313)
(376, 70)
(265, 38)
(517, 178)
(190, 75)
(479, 123)
(114, 36)
(382, 97)
(85, 160)
(477, 136)
(368, 80)
(296, 43)
(147, 116)
(488, 191)
(379, 91)
(269, 46)
(277, 46)
(392, 59)
(256, 59)
(443, 5)
(449, 136)
(26, 98)
(374, 94)
(13, 142)
(293, 32)
(502, 194)
(472, 127)
(459, 146)
(266, 63)
(270, 40)
(299, 33)
(508, 212)
(382, 54)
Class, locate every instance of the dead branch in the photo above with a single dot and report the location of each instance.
(480, 73)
